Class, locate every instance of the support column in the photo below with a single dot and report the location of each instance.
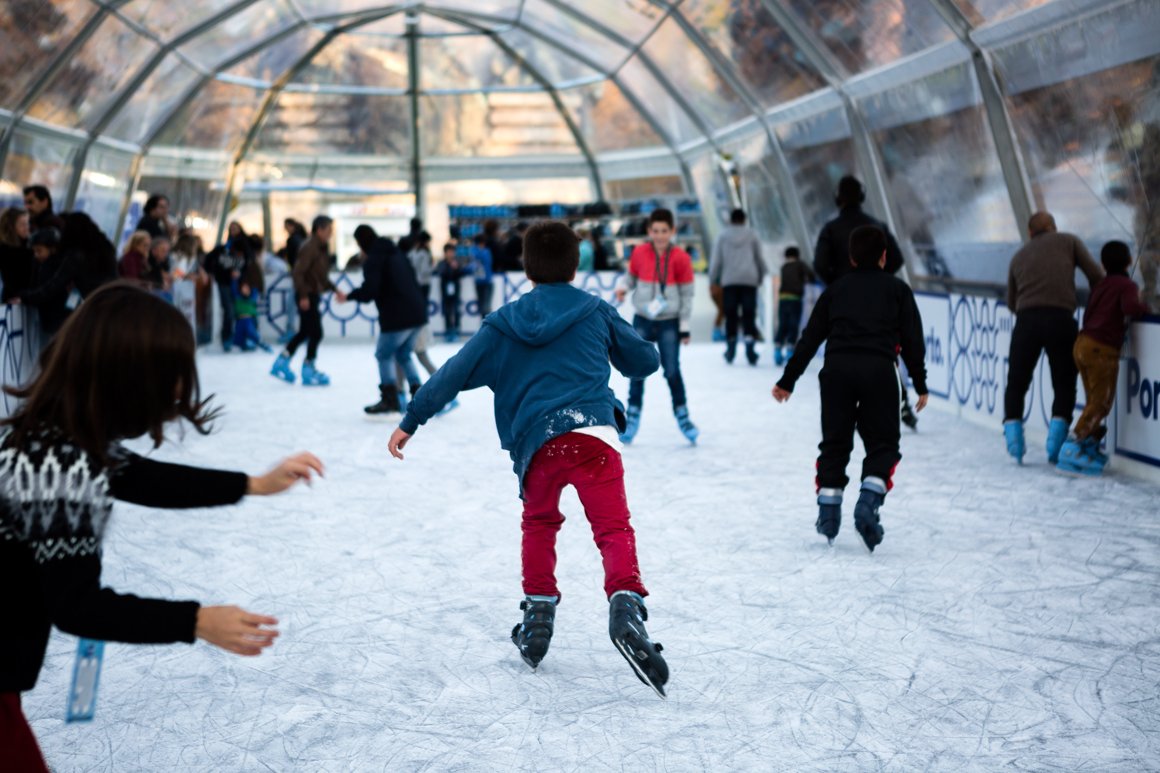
(413, 92)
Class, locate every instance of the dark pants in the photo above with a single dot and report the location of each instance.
(483, 291)
(789, 321)
(597, 473)
(1037, 330)
(859, 393)
(666, 334)
(309, 329)
(451, 313)
(743, 298)
(226, 296)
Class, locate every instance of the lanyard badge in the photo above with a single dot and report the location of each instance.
(82, 696)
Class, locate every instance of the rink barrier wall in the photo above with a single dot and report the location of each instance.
(18, 350)
(967, 342)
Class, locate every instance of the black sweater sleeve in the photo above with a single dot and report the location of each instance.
(77, 604)
(174, 486)
(372, 280)
(816, 331)
(910, 337)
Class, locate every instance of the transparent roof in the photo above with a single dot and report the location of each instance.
(335, 76)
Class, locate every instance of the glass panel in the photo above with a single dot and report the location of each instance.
(195, 204)
(694, 76)
(576, 35)
(819, 152)
(867, 33)
(216, 118)
(359, 61)
(764, 199)
(467, 63)
(1090, 138)
(321, 124)
(103, 66)
(33, 33)
(506, 9)
(492, 125)
(314, 8)
(269, 63)
(552, 64)
(745, 33)
(392, 26)
(36, 160)
(644, 187)
(983, 11)
(167, 19)
(607, 120)
(153, 100)
(102, 187)
(943, 175)
(667, 113)
(239, 32)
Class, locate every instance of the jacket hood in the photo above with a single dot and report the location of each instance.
(544, 314)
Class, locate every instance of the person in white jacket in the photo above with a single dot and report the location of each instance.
(738, 268)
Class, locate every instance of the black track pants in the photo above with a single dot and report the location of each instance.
(743, 299)
(859, 393)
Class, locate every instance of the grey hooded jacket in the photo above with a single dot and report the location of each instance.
(737, 258)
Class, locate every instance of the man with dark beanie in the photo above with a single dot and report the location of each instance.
(832, 253)
(1041, 294)
(389, 281)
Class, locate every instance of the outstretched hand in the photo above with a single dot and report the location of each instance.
(301, 466)
(780, 394)
(235, 630)
(398, 440)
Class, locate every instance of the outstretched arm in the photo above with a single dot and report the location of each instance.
(629, 353)
(816, 331)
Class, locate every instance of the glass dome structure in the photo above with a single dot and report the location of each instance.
(962, 116)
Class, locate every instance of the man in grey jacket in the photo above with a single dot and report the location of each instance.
(738, 267)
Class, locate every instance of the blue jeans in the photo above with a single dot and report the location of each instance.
(396, 347)
(789, 319)
(666, 334)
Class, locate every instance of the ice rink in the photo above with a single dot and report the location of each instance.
(1008, 621)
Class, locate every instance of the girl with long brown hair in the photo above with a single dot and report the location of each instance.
(122, 367)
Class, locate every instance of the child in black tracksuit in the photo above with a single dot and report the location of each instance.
(867, 317)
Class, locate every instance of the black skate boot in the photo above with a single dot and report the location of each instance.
(866, 512)
(751, 351)
(534, 634)
(387, 405)
(626, 616)
(829, 513)
(730, 350)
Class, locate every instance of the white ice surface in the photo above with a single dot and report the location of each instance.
(1011, 618)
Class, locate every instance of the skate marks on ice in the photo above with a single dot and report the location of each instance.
(1007, 620)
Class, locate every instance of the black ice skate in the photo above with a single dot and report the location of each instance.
(626, 616)
(829, 513)
(866, 512)
(534, 634)
(388, 405)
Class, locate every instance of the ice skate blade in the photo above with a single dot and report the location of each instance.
(382, 418)
(640, 673)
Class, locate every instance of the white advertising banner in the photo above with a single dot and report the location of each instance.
(936, 325)
(1137, 412)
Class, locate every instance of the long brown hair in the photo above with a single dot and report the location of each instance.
(123, 365)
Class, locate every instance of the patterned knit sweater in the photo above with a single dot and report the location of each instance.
(55, 501)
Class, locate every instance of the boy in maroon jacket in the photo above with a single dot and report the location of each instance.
(1114, 301)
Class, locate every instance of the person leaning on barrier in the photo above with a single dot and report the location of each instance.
(16, 262)
(1041, 294)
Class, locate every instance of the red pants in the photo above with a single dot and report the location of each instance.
(19, 751)
(596, 471)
